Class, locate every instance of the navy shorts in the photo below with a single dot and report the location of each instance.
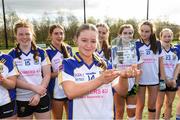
(8, 110)
(170, 89)
(24, 110)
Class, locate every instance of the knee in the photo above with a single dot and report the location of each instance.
(169, 105)
(140, 107)
(131, 109)
(159, 105)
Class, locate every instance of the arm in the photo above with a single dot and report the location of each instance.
(46, 75)
(28, 86)
(175, 75)
(122, 85)
(54, 74)
(176, 71)
(9, 82)
(73, 90)
(161, 66)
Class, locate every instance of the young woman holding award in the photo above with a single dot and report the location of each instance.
(87, 79)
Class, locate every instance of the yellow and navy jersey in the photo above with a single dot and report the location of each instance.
(170, 59)
(150, 65)
(7, 69)
(56, 57)
(30, 69)
(97, 104)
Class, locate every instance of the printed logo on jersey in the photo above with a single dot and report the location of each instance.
(79, 76)
(18, 62)
(56, 61)
(141, 52)
(27, 62)
(91, 75)
(148, 52)
(168, 57)
(22, 109)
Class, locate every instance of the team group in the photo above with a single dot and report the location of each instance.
(35, 82)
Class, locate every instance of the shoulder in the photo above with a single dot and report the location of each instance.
(7, 57)
(7, 60)
(41, 51)
(70, 61)
(138, 43)
(12, 52)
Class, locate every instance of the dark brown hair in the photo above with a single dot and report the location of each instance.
(105, 44)
(63, 47)
(152, 39)
(122, 27)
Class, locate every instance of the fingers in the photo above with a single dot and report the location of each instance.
(109, 75)
(131, 72)
(34, 100)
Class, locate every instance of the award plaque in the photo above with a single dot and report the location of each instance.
(123, 53)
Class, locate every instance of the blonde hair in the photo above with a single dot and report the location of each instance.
(165, 29)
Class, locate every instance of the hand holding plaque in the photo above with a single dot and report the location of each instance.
(123, 53)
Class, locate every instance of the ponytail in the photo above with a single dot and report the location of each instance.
(17, 53)
(64, 50)
(36, 53)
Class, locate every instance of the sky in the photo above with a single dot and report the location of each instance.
(166, 10)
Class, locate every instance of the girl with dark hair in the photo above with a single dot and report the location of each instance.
(34, 68)
(103, 50)
(150, 51)
(87, 79)
(57, 51)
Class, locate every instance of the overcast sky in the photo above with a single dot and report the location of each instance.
(125, 9)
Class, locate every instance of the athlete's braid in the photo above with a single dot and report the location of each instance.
(36, 53)
(102, 63)
(17, 52)
(64, 50)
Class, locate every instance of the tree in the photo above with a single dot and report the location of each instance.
(73, 24)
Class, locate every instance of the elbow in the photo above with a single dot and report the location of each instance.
(70, 96)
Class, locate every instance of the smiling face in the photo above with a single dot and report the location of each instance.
(102, 34)
(87, 42)
(145, 32)
(24, 37)
(57, 36)
(166, 36)
(127, 34)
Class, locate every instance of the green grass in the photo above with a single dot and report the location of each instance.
(145, 112)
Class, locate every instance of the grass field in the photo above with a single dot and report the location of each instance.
(145, 113)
